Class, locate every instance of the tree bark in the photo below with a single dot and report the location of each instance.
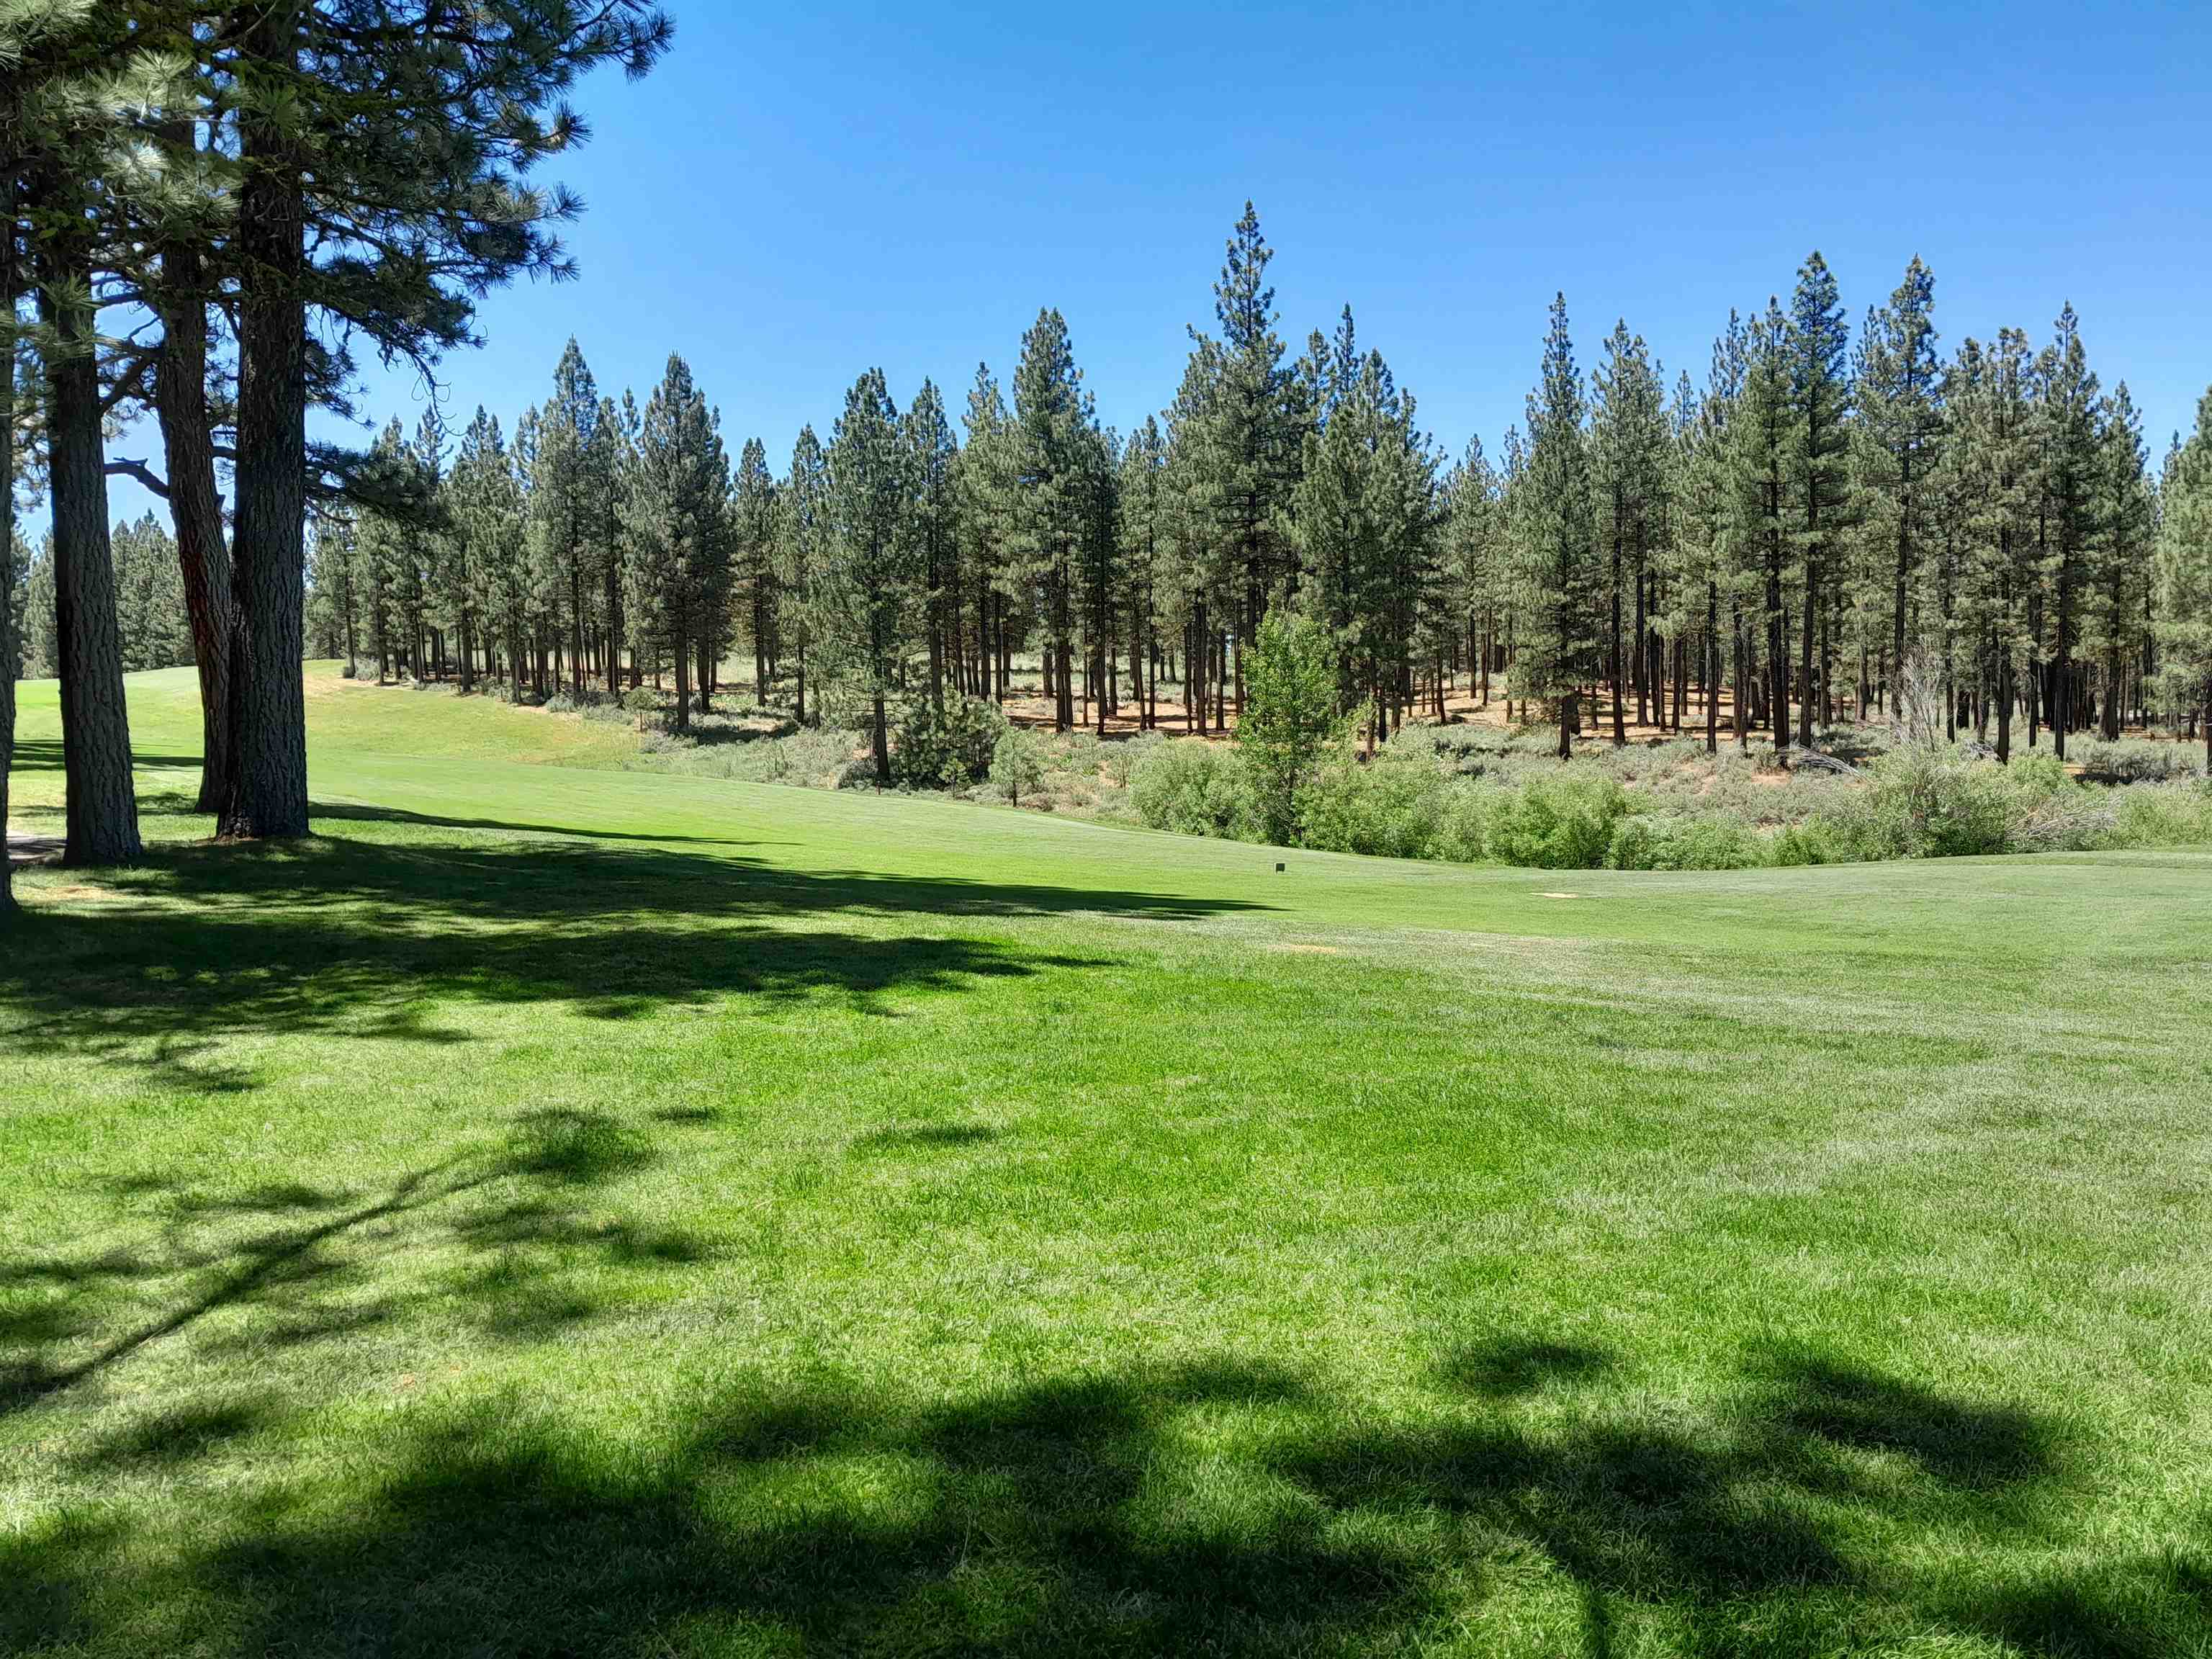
(269, 795)
(102, 807)
(196, 507)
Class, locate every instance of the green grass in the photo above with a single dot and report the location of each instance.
(586, 1211)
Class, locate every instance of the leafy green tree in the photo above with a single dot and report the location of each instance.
(1290, 717)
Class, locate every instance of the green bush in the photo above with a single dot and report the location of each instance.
(1930, 801)
(1392, 806)
(2163, 815)
(1119, 760)
(1016, 768)
(1559, 823)
(1665, 842)
(947, 748)
(1197, 788)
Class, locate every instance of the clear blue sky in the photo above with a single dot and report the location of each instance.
(799, 192)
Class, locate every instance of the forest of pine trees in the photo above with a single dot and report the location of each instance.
(212, 209)
(1836, 520)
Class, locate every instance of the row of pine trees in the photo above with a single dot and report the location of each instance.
(1831, 527)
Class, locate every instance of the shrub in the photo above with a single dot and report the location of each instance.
(1392, 806)
(560, 703)
(1666, 841)
(642, 700)
(947, 748)
(1017, 769)
(1561, 823)
(1194, 788)
(2163, 815)
(1932, 802)
(2137, 760)
(1120, 759)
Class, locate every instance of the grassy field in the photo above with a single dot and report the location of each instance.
(568, 1210)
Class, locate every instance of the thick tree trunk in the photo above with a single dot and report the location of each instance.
(8, 620)
(196, 507)
(102, 806)
(269, 795)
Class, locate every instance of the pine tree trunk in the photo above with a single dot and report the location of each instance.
(102, 807)
(196, 507)
(269, 793)
(8, 619)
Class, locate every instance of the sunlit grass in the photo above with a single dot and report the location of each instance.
(736, 1219)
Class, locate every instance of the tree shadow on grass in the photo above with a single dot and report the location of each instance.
(1222, 1507)
(367, 939)
(283, 1266)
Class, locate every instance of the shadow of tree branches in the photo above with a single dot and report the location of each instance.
(364, 938)
(1220, 1507)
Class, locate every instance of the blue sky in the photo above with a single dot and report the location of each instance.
(799, 192)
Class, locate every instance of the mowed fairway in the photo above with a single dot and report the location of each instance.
(560, 1210)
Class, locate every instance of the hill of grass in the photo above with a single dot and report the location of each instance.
(581, 1209)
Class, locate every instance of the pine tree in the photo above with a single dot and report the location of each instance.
(754, 510)
(1628, 452)
(1554, 539)
(676, 514)
(1052, 449)
(1820, 405)
(1898, 441)
(983, 498)
(870, 586)
(1247, 449)
(488, 516)
(2184, 578)
(2072, 442)
(803, 532)
(1760, 452)
(931, 458)
(567, 498)
(1144, 533)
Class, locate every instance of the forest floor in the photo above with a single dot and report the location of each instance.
(560, 1209)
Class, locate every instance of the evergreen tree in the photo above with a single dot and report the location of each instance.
(983, 491)
(803, 532)
(1760, 460)
(1142, 497)
(1629, 453)
(870, 586)
(2184, 578)
(754, 513)
(1898, 437)
(677, 514)
(1819, 406)
(488, 512)
(1554, 539)
(931, 458)
(2072, 460)
(1052, 457)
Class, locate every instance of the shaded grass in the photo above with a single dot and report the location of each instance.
(564, 1211)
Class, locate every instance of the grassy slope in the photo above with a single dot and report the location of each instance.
(760, 1218)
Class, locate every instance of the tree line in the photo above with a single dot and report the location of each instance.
(211, 207)
(1824, 528)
